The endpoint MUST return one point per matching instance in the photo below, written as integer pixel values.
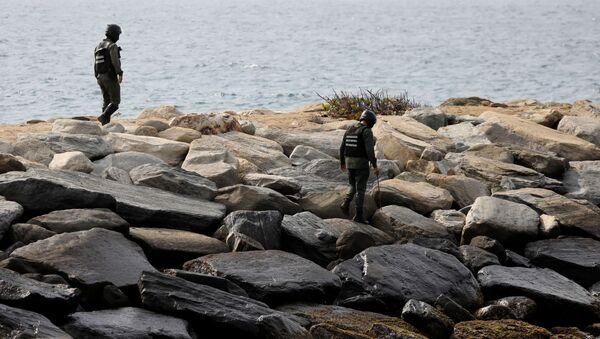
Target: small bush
(350, 106)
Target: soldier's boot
(345, 206)
(359, 209)
(104, 118)
(359, 217)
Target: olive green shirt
(115, 58)
(359, 162)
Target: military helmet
(369, 117)
(113, 31)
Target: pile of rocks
(484, 224)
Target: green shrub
(350, 106)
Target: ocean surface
(206, 55)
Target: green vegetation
(350, 106)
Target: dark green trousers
(111, 90)
(357, 178)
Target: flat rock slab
(582, 180)
(303, 154)
(272, 276)
(244, 197)
(557, 296)
(22, 292)
(575, 258)
(9, 163)
(327, 142)
(499, 329)
(168, 247)
(125, 161)
(352, 323)
(573, 216)
(390, 275)
(72, 126)
(463, 189)
(418, 196)
(171, 152)
(18, 323)
(42, 190)
(262, 226)
(126, 323)
(73, 220)
(93, 257)
(264, 153)
(215, 311)
(310, 237)
(42, 147)
(277, 183)
(405, 224)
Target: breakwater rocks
(484, 224)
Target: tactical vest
(102, 55)
(354, 143)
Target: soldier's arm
(342, 151)
(115, 59)
(370, 146)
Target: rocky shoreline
(484, 224)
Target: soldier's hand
(120, 78)
(343, 167)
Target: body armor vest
(354, 144)
(102, 55)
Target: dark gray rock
(173, 179)
(125, 161)
(53, 279)
(385, 277)
(126, 323)
(582, 179)
(41, 190)
(243, 197)
(452, 309)
(170, 248)
(214, 311)
(440, 244)
(355, 237)
(42, 147)
(453, 220)
(405, 224)
(326, 205)
(10, 211)
(429, 116)
(239, 242)
(514, 259)
(93, 257)
(522, 308)
(491, 245)
(22, 292)
(6, 148)
(546, 163)
(209, 280)
(476, 258)
(18, 323)
(28, 233)
(575, 258)
(9, 163)
(310, 237)
(494, 312)
(117, 174)
(326, 142)
(283, 185)
(262, 226)
(73, 220)
(274, 277)
(157, 124)
(559, 298)
(427, 319)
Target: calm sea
(208, 55)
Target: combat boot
(345, 206)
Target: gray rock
(126, 323)
(453, 220)
(439, 244)
(463, 189)
(491, 151)
(573, 216)
(93, 257)
(209, 280)
(51, 190)
(219, 312)
(310, 183)
(584, 127)
(164, 112)
(430, 116)
(10, 163)
(549, 226)
(303, 154)
(582, 180)
(71, 161)
(404, 224)
(42, 147)
(557, 297)
(310, 237)
(326, 142)
(125, 161)
(494, 312)
(18, 323)
(327, 204)
(464, 135)
(117, 174)
(22, 292)
(476, 258)
(212, 161)
(73, 220)
(418, 196)
(262, 226)
(10, 211)
(28, 233)
(426, 318)
(355, 237)
(247, 127)
(159, 125)
(385, 277)
(272, 276)
(113, 127)
(173, 179)
(452, 309)
(72, 126)
(508, 222)
(148, 131)
(171, 248)
(180, 134)
(546, 163)
(522, 308)
(6, 148)
(500, 329)
(244, 197)
(514, 259)
(491, 245)
(431, 154)
(279, 326)
(283, 185)
(239, 242)
(575, 258)
(171, 152)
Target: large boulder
(18, 323)
(327, 142)
(354, 237)
(476, 258)
(491, 151)
(418, 196)
(117, 174)
(213, 123)
(575, 258)
(9, 163)
(281, 184)
(162, 112)
(414, 129)
(464, 135)
(72, 126)
(94, 257)
(559, 298)
(10, 211)
(264, 153)
(244, 197)
(42, 190)
(429, 116)
(28, 233)
(42, 147)
(6, 148)
(219, 312)
(582, 181)
(428, 319)
(405, 224)
(310, 237)
(508, 222)
(171, 248)
(171, 152)
(262, 226)
(125, 161)
(386, 277)
(327, 204)
(207, 279)
(303, 154)
(126, 322)
(213, 162)
(174, 179)
(180, 134)
(394, 145)
(463, 189)
(547, 163)
(453, 220)
(573, 216)
(271, 276)
(73, 220)
(586, 128)
(499, 329)
(501, 128)
(71, 161)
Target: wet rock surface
(426, 318)
(18, 323)
(73, 220)
(262, 226)
(310, 237)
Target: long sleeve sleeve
(115, 59)
(370, 146)
(343, 150)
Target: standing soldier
(356, 152)
(108, 72)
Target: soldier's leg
(351, 191)
(362, 176)
(114, 94)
